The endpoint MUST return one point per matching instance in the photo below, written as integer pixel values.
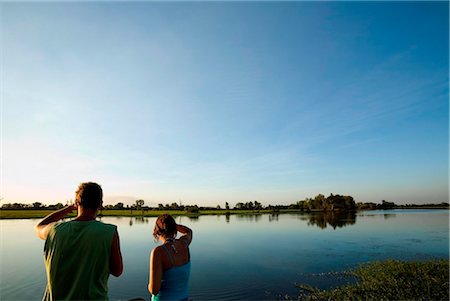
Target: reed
(389, 280)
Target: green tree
(18, 206)
(139, 204)
(37, 205)
(7, 206)
(387, 205)
(319, 202)
(258, 206)
(118, 206)
(239, 206)
(302, 205)
(350, 203)
(192, 209)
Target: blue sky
(206, 102)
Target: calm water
(243, 257)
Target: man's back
(77, 258)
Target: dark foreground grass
(390, 280)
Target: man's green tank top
(77, 256)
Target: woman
(170, 263)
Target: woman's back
(170, 264)
(175, 281)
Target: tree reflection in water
(336, 219)
(248, 217)
(138, 220)
(193, 218)
(388, 215)
(273, 217)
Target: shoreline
(40, 213)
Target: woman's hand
(187, 233)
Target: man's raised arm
(42, 228)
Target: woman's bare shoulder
(185, 240)
(157, 250)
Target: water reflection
(138, 220)
(335, 219)
(331, 218)
(193, 218)
(221, 272)
(322, 220)
(389, 215)
(248, 217)
(273, 217)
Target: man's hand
(42, 227)
(70, 208)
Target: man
(81, 253)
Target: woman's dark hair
(89, 195)
(165, 226)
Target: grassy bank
(16, 214)
(40, 213)
(390, 280)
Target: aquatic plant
(389, 280)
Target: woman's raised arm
(186, 233)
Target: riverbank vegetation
(320, 203)
(389, 280)
(17, 214)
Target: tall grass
(391, 280)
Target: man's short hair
(89, 195)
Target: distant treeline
(35, 205)
(318, 203)
(391, 205)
